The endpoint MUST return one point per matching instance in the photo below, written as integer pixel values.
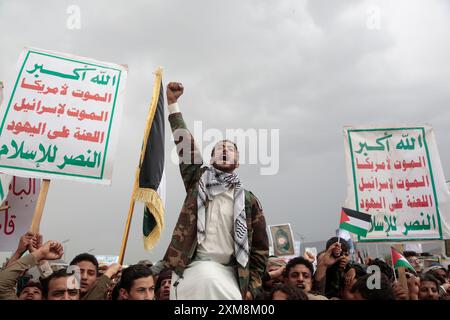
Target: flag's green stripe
(403, 263)
(353, 229)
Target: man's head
(437, 270)
(351, 276)
(343, 252)
(287, 292)
(412, 258)
(429, 287)
(31, 291)
(274, 263)
(60, 286)
(137, 283)
(88, 265)
(225, 156)
(384, 268)
(162, 287)
(299, 273)
(362, 291)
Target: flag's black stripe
(152, 166)
(358, 215)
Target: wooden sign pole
(39, 209)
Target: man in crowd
(93, 286)
(219, 247)
(299, 272)
(9, 276)
(362, 291)
(162, 286)
(413, 260)
(429, 287)
(31, 291)
(137, 283)
(61, 285)
(330, 267)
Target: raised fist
(173, 91)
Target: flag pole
(401, 271)
(151, 114)
(39, 209)
(393, 267)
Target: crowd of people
(330, 275)
(219, 250)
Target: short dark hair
(344, 243)
(408, 254)
(85, 257)
(384, 268)
(385, 292)
(115, 291)
(165, 273)
(132, 273)
(431, 278)
(61, 273)
(30, 284)
(295, 261)
(360, 271)
(292, 292)
(223, 141)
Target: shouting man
(219, 247)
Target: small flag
(151, 168)
(355, 222)
(399, 260)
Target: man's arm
(100, 288)
(29, 241)
(190, 157)
(51, 250)
(259, 251)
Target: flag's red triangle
(395, 256)
(344, 217)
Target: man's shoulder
(252, 199)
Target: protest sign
(395, 174)
(61, 118)
(18, 208)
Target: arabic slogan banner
(62, 117)
(395, 174)
(17, 213)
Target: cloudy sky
(304, 67)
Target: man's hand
(248, 296)
(328, 257)
(113, 270)
(51, 250)
(173, 91)
(309, 256)
(277, 273)
(25, 241)
(36, 243)
(349, 277)
(399, 292)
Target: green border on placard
(105, 151)
(431, 176)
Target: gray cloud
(305, 67)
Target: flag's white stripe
(359, 223)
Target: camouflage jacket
(183, 245)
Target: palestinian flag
(399, 260)
(355, 222)
(151, 168)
